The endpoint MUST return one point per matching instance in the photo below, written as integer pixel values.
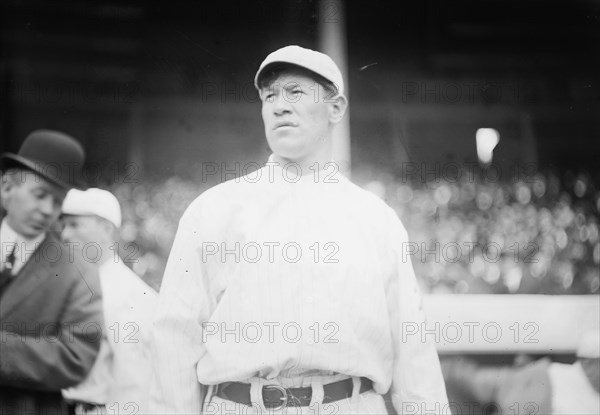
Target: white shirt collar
(9, 237)
(7, 234)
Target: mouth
(282, 124)
(38, 226)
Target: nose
(281, 104)
(47, 205)
(66, 233)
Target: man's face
(82, 229)
(296, 116)
(32, 203)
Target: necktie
(6, 273)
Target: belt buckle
(79, 409)
(284, 398)
(88, 409)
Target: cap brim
(269, 65)
(10, 160)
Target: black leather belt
(78, 408)
(275, 396)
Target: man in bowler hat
(50, 299)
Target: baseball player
(287, 289)
(119, 380)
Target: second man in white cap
(119, 380)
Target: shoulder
(209, 198)
(65, 273)
(229, 196)
(62, 259)
(122, 281)
(136, 285)
(127, 296)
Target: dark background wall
(168, 85)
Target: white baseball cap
(93, 201)
(589, 345)
(312, 60)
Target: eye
(267, 94)
(268, 97)
(57, 202)
(69, 224)
(39, 194)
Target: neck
(310, 163)
(107, 253)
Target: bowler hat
(53, 155)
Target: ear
(337, 108)
(105, 227)
(7, 185)
(111, 231)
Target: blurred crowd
(534, 235)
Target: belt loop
(318, 394)
(356, 384)
(210, 390)
(256, 385)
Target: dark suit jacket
(50, 329)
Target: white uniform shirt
(272, 277)
(572, 392)
(120, 377)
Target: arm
(58, 354)
(417, 382)
(176, 341)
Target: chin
(288, 153)
(286, 150)
(32, 232)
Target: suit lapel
(33, 273)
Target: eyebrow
(288, 84)
(48, 188)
